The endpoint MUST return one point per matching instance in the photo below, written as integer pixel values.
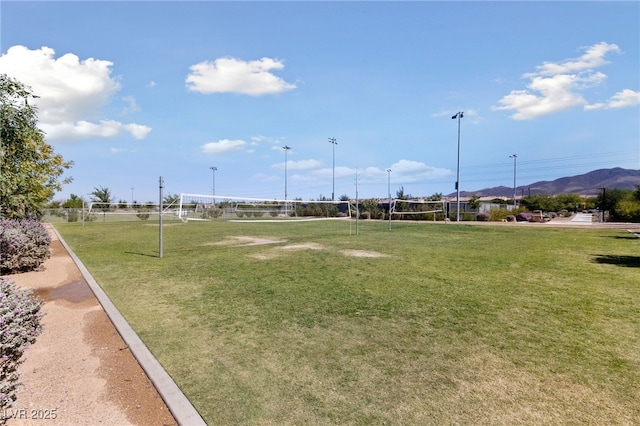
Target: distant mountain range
(588, 184)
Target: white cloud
(556, 94)
(593, 58)
(131, 107)
(236, 76)
(625, 98)
(71, 92)
(85, 129)
(407, 171)
(222, 146)
(622, 99)
(261, 138)
(138, 131)
(417, 171)
(299, 165)
(557, 86)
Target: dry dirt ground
(79, 371)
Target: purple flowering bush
(524, 217)
(20, 324)
(24, 245)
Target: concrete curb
(181, 409)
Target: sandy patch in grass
(247, 241)
(362, 253)
(306, 246)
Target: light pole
(213, 170)
(458, 116)
(160, 238)
(389, 193)
(514, 156)
(604, 202)
(333, 187)
(286, 150)
(132, 188)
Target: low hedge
(20, 324)
(24, 245)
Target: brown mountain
(587, 184)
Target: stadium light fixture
(333, 187)
(286, 150)
(458, 116)
(514, 156)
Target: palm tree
(103, 196)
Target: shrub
(467, 217)
(20, 324)
(68, 214)
(524, 217)
(24, 245)
(496, 214)
(628, 210)
(143, 214)
(482, 217)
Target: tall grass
(451, 324)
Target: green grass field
(298, 323)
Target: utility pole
(514, 156)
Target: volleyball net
(207, 207)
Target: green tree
(171, 199)
(628, 209)
(372, 207)
(610, 199)
(103, 196)
(400, 195)
(72, 207)
(474, 202)
(537, 202)
(74, 202)
(30, 171)
(569, 202)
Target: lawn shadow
(629, 261)
(624, 237)
(141, 254)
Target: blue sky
(131, 91)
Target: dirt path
(79, 371)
